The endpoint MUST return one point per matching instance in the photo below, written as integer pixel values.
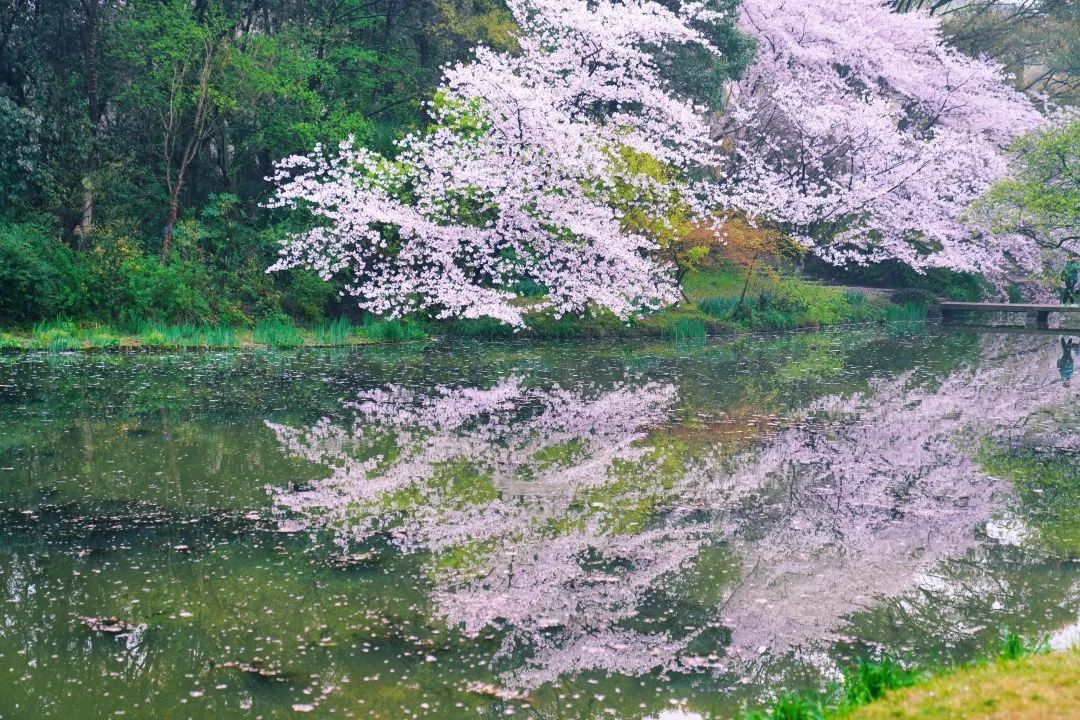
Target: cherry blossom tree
(521, 174)
(866, 136)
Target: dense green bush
(216, 276)
(32, 273)
(939, 282)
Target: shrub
(31, 273)
(918, 296)
(307, 295)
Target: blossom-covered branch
(516, 180)
(866, 136)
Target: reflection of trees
(870, 496)
(500, 482)
(578, 520)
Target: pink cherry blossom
(866, 136)
(515, 178)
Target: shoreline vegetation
(717, 305)
(1022, 679)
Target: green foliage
(792, 303)
(869, 680)
(278, 332)
(32, 273)
(480, 329)
(687, 328)
(24, 173)
(390, 330)
(56, 336)
(864, 683)
(719, 307)
(816, 304)
(908, 312)
(913, 296)
(279, 78)
(1042, 198)
(906, 319)
(1012, 646)
(219, 337)
(792, 707)
(335, 332)
(935, 282)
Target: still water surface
(542, 530)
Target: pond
(627, 530)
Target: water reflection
(561, 530)
(1066, 364)
(621, 527)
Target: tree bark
(173, 132)
(92, 11)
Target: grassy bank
(716, 304)
(1021, 680)
(65, 336)
(1046, 686)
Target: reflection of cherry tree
(522, 493)
(869, 496)
(409, 452)
(541, 561)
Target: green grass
(335, 332)
(687, 328)
(869, 686)
(391, 330)
(1026, 688)
(869, 681)
(784, 304)
(723, 281)
(906, 319)
(770, 305)
(722, 308)
(220, 337)
(62, 336)
(479, 329)
(276, 333)
(908, 312)
(56, 336)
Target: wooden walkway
(1038, 316)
